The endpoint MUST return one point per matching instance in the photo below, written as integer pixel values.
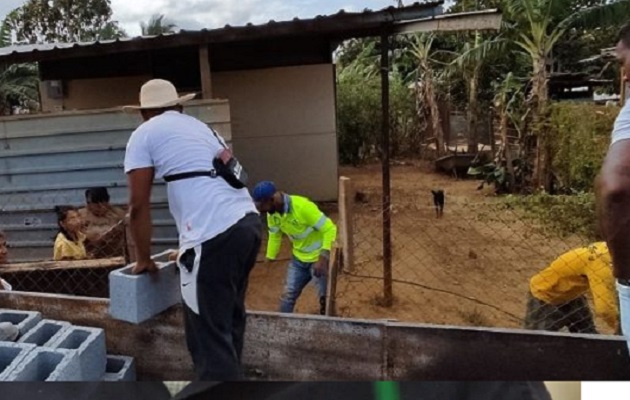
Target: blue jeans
(299, 274)
(624, 310)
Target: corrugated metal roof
(341, 25)
(42, 47)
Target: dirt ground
(470, 268)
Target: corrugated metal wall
(49, 160)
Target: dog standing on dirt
(438, 201)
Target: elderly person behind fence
(104, 225)
(557, 294)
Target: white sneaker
(8, 332)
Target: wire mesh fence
(484, 263)
(55, 242)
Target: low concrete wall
(293, 347)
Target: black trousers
(575, 315)
(364, 391)
(214, 284)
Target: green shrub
(580, 135)
(359, 118)
(562, 215)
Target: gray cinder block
(11, 356)
(45, 333)
(89, 343)
(137, 298)
(120, 368)
(46, 364)
(25, 320)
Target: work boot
(322, 305)
(8, 332)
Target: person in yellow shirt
(70, 241)
(557, 294)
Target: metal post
(387, 222)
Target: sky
(197, 14)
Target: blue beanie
(264, 190)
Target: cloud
(6, 6)
(196, 14)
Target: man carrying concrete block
(219, 227)
(312, 235)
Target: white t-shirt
(621, 130)
(202, 207)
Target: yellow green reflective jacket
(309, 230)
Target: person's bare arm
(140, 183)
(613, 206)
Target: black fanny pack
(225, 166)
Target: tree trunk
(503, 126)
(539, 102)
(434, 111)
(473, 146)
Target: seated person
(103, 225)
(70, 241)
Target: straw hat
(158, 93)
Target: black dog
(438, 200)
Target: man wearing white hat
(219, 226)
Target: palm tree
(19, 87)
(157, 25)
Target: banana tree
(536, 33)
(426, 79)
(508, 94)
(469, 64)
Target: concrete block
(45, 333)
(120, 368)
(25, 320)
(89, 343)
(137, 298)
(46, 364)
(11, 356)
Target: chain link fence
(484, 263)
(473, 267)
(56, 243)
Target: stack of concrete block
(49, 350)
(137, 298)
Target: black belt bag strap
(225, 166)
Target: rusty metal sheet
(417, 352)
(293, 347)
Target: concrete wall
(92, 94)
(284, 125)
(297, 347)
(283, 119)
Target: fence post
(346, 196)
(331, 295)
(388, 297)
